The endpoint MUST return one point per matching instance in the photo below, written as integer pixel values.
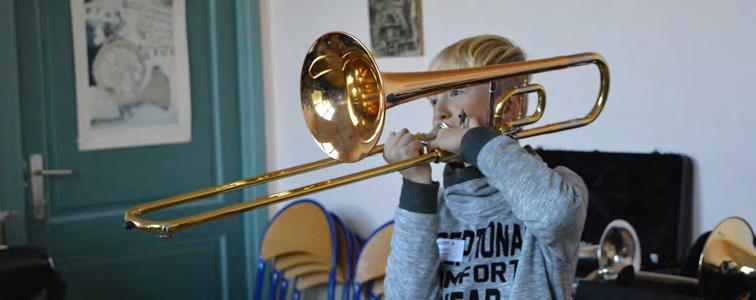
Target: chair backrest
(290, 260)
(371, 263)
(300, 227)
(311, 275)
(302, 263)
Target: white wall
(682, 81)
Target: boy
(505, 226)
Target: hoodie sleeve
(551, 202)
(412, 267)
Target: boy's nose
(441, 115)
(440, 111)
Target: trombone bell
(619, 247)
(342, 97)
(727, 266)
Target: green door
(81, 225)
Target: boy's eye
(453, 93)
(433, 101)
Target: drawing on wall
(396, 27)
(132, 73)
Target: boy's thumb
(432, 144)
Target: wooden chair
(312, 274)
(377, 290)
(302, 231)
(300, 242)
(371, 263)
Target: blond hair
(477, 51)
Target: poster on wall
(396, 28)
(132, 73)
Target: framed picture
(132, 73)
(396, 28)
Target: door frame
(12, 191)
(252, 122)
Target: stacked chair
(371, 264)
(306, 246)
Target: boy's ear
(523, 104)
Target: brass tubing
(665, 278)
(402, 87)
(166, 228)
(132, 221)
(498, 109)
(598, 107)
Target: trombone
(344, 99)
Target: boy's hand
(401, 146)
(449, 139)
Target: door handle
(60, 172)
(38, 173)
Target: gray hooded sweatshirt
(507, 227)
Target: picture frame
(396, 28)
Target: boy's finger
(415, 145)
(433, 144)
(391, 138)
(405, 138)
(441, 134)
